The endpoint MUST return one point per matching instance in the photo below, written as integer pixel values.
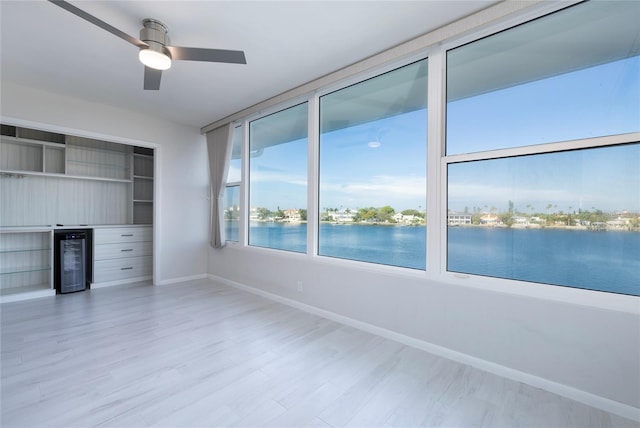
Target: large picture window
(543, 164)
(278, 180)
(372, 191)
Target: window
(543, 166)
(232, 190)
(570, 75)
(372, 182)
(278, 180)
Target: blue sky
(384, 162)
(596, 101)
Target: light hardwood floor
(204, 354)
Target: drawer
(117, 269)
(111, 235)
(122, 250)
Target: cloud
(397, 191)
(279, 176)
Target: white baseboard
(570, 392)
(182, 279)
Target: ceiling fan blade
(92, 19)
(152, 78)
(210, 55)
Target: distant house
(344, 216)
(407, 219)
(489, 219)
(521, 220)
(454, 218)
(292, 215)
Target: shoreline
(475, 226)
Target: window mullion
(436, 184)
(244, 189)
(313, 215)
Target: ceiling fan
(155, 52)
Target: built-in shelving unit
(49, 179)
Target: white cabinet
(122, 254)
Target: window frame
(586, 297)
(422, 55)
(245, 193)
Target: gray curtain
(219, 143)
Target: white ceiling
(287, 43)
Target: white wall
(182, 176)
(588, 354)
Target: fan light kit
(154, 59)
(155, 52)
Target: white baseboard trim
(182, 279)
(566, 391)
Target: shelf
(24, 289)
(31, 142)
(143, 201)
(54, 160)
(105, 165)
(143, 212)
(20, 155)
(17, 173)
(23, 250)
(25, 292)
(92, 145)
(143, 166)
(24, 269)
(143, 177)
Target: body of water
(606, 261)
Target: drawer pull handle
(128, 249)
(127, 234)
(127, 268)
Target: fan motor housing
(155, 35)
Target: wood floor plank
(200, 353)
